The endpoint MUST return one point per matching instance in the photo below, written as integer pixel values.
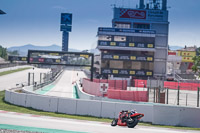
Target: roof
(2, 12)
(188, 49)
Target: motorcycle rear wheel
(114, 122)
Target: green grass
(13, 108)
(13, 71)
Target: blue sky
(38, 21)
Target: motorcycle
(127, 118)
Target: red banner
(134, 14)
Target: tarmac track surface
(28, 120)
(64, 86)
(10, 80)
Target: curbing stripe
(34, 129)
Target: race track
(77, 125)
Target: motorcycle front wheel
(131, 123)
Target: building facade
(136, 46)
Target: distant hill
(23, 50)
(175, 47)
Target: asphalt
(11, 80)
(63, 87)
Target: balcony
(127, 57)
(111, 45)
(126, 32)
(127, 72)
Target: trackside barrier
(156, 114)
(93, 88)
(113, 84)
(139, 96)
(87, 85)
(169, 85)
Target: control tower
(136, 46)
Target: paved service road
(10, 80)
(64, 87)
(77, 125)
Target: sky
(37, 22)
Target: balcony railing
(127, 72)
(127, 57)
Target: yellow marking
(131, 44)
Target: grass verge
(13, 108)
(13, 71)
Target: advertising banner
(134, 14)
(140, 14)
(59, 58)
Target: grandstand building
(136, 46)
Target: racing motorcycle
(127, 118)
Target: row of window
(135, 25)
(127, 65)
(137, 53)
(126, 39)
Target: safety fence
(174, 93)
(138, 96)
(113, 84)
(170, 85)
(116, 90)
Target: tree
(15, 52)
(3, 52)
(196, 61)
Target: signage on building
(149, 15)
(126, 30)
(134, 14)
(59, 58)
(125, 44)
(17, 58)
(127, 72)
(126, 57)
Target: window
(142, 39)
(120, 38)
(105, 38)
(141, 26)
(122, 25)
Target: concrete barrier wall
(67, 106)
(156, 114)
(176, 116)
